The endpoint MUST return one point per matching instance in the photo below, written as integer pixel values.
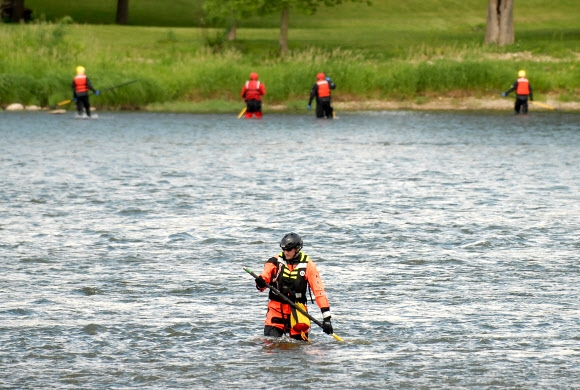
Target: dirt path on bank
(458, 104)
(447, 104)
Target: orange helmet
(253, 76)
(320, 76)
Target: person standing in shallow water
(523, 90)
(321, 91)
(81, 86)
(291, 272)
(252, 93)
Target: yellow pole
(288, 301)
(542, 105)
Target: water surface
(448, 243)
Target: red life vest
(252, 90)
(523, 86)
(81, 83)
(323, 88)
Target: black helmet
(291, 241)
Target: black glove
(327, 326)
(260, 283)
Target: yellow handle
(542, 105)
(337, 337)
(242, 112)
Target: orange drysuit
(292, 279)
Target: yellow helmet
(522, 73)
(80, 70)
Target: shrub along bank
(191, 69)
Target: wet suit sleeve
(316, 285)
(262, 89)
(89, 85)
(331, 85)
(269, 270)
(313, 93)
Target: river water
(448, 243)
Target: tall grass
(177, 65)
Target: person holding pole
(81, 86)
(252, 93)
(288, 276)
(523, 90)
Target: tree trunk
(284, 22)
(122, 12)
(232, 31)
(17, 11)
(500, 22)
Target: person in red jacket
(252, 93)
(523, 90)
(81, 86)
(292, 272)
(321, 91)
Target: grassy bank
(388, 52)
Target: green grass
(408, 50)
(383, 15)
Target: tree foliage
(232, 11)
(15, 11)
(309, 7)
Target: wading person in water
(252, 92)
(292, 272)
(81, 86)
(321, 91)
(523, 90)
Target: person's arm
(90, 86)
(531, 93)
(244, 90)
(317, 286)
(513, 88)
(331, 85)
(266, 276)
(262, 89)
(313, 93)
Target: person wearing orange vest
(321, 91)
(292, 272)
(523, 90)
(252, 93)
(81, 86)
